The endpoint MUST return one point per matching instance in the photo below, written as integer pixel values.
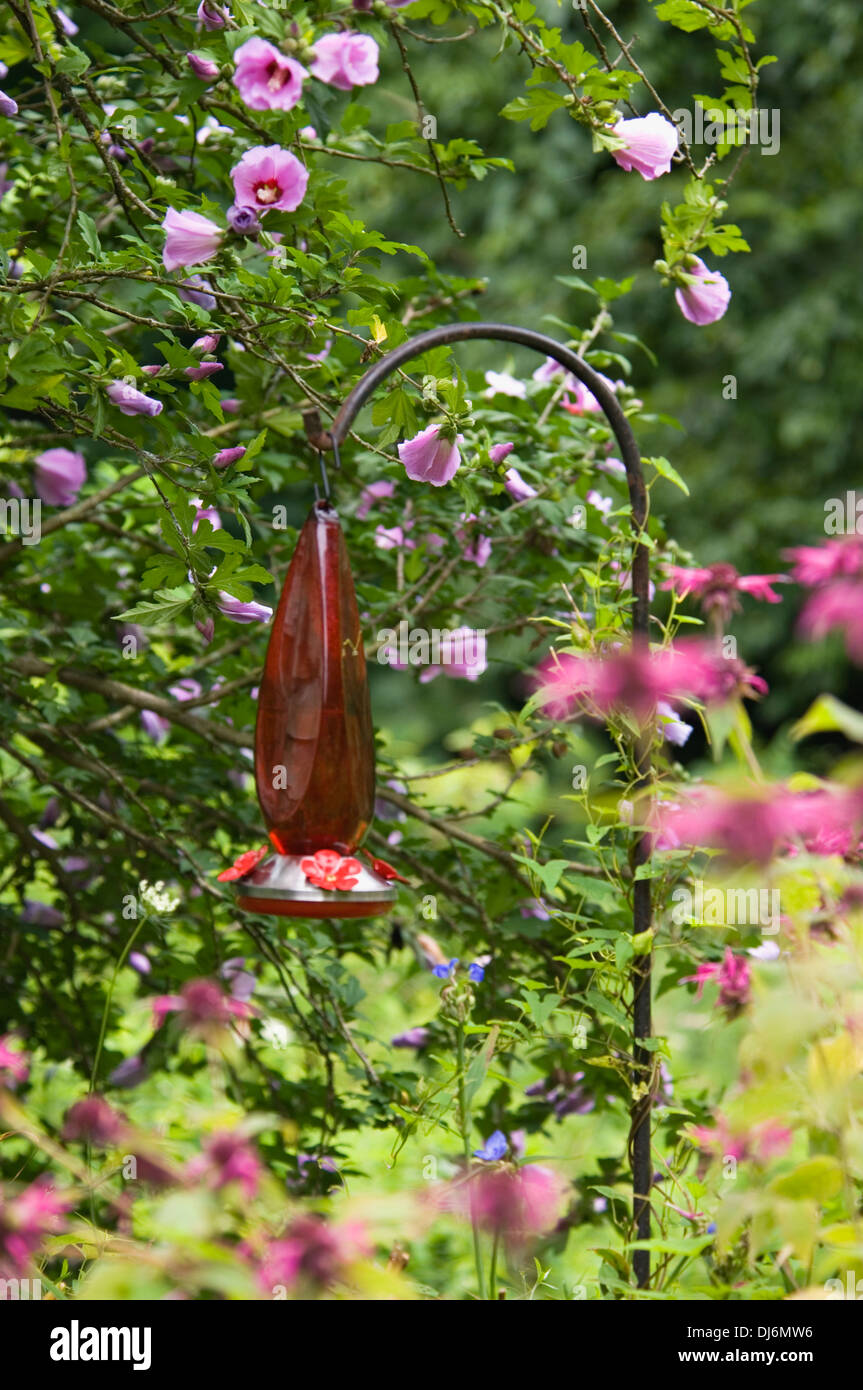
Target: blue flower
(711, 1229)
(476, 972)
(494, 1148)
(443, 972)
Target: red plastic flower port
(385, 870)
(242, 866)
(327, 869)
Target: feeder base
(279, 887)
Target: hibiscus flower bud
(705, 296)
(204, 68)
(243, 221)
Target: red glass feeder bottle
(314, 742)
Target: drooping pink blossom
(431, 457)
(837, 605)
(372, 493)
(717, 586)
(269, 177)
(649, 144)
(202, 1006)
(346, 60)
(131, 401)
(60, 475)
(240, 612)
(733, 976)
(266, 79)
(190, 238)
(834, 559)
(516, 485)
(705, 297)
(14, 1067)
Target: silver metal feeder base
(279, 887)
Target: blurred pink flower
(718, 586)
(839, 604)
(202, 1006)
(518, 1204)
(835, 559)
(313, 1253)
(393, 538)
(190, 238)
(372, 493)
(706, 298)
(650, 142)
(753, 828)
(266, 79)
(463, 656)
(732, 975)
(14, 1066)
(475, 548)
(345, 60)
(269, 177)
(515, 484)
(60, 475)
(93, 1121)
(430, 457)
(228, 1157)
(24, 1222)
(764, 1141)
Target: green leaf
(819, 1178)
(665, 470)
(537, 107)
(828, 715)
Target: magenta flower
(206, 369)
(837, 605)
(265, 78)
(243, 221)
(211, 16)
(240, 612)
(498, 452)
(518, 1205)
(190, 238)
(732, 975)
(585, 402)
(60, 475)
(25, 1220)
(761, 1143)
(14, 1066)
(204, 68)
(130, 401)
(516, 486)
(649, 143)
(207, 343)
(430, 457)
(372, 493)
(475, 548)
(752, 828)
(835, 559)
(202, 1007)
(228, 1158)
(345, 60)
(227, 456)
(718, 586)
(412, 1037)
(93, 1121)
(312, 1254)
(462, 654)
(270, 177)
(705, 296)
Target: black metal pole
(639, 1135)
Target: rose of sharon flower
(462, 654)
(266, 79)
(649, 143)
(270, 177)
(60, 475)
(131, 401)
(706, 297)
(837, 605)
(204, 68)
(516, 485)
(329, 870)
(430, 457)
(240, 612)
(346, 60)
(190, 238)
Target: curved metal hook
(642, 1167)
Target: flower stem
(464, 1124)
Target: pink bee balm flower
(835, 559)
(312, 1254)
(837, 605)
(8, 105)
(94, 1121)
(265, 78)
(270, 177)
(131, 401)
(346, 60)
(751, 828)
(705, 297)
(517, 1204)
(190, 238)
(430, 457)
(202, 1006)
(24, 1222)
(517, 487)
(13, 1065)
(649, 143)
(240, 612)
(227, 1158)
(631, 679)
(60, 475)
(718, 586)
(227, 456)
(733, 977)
(204, 68)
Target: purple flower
(130, 401)
(130, 1072)
(8, 107)
(674, 730)
(412, 1037)
(60, 475)
(139, 962)
(534, 907)
(705, 296)
(475, 548)
(68, 25)
(563, 1091)
(517, 487)
(476, 972)
(346, 60)
(210, 16)
(205, 514)
(204, 68)
(493, 1149)
(265, 78)
(498, 452)
(227, 456)
(190, 238)
(208, 343)
(38, 914)
(154, 725)
(243, 221)
(649, 143)
(269, 177)
(205, 370)
(243, 612)
(393, 538)
(430, 457)
(445, 972)
(188, 290)
(231, 405)
(93, 1121)
(372, 493)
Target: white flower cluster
(156, 896)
